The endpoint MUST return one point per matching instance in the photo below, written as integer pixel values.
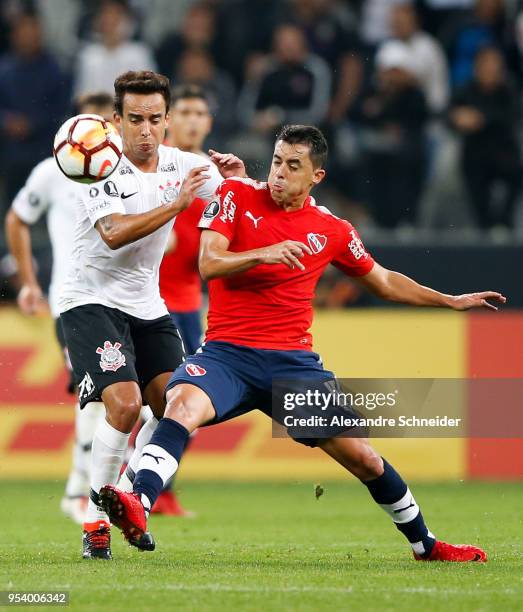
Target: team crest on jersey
(195, 370)
(169, 192)
(317, 242)
(111, 357)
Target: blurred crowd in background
(420, 100)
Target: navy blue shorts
(189, 325)
(239, 379)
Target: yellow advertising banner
(37, 416)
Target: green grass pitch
(265, 547)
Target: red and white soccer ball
(87, 148)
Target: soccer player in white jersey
(48, 192)
(122, 343)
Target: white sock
(86, 421)
(144, 435)
(108, 453)
(146, 413)
(404, 510)
(156, 459)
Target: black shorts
(60, 336)
(107, 346)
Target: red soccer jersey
(180, 283)
(270, 306)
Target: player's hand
(30, 299)
(228, 164)
(190, 186)
(288, 252)
(477, 300)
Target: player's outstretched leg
(389, 491)
(188, 407)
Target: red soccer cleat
(97, 540)
(168, 504)
(461, 553)
(125, 510)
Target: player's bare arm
(396, 287)
(18, 233)
(117, 229)
(216, 260)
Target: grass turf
(273, 547)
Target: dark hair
(98, 99)
(307, 135)
(186, 91)
(141, 82)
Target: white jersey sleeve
(192, 160)
(102, 199)
(33, 200)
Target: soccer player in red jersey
(264, 247)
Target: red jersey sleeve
(353, 259)
(221, 214)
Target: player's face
(292, 173)
(142, 125)
(190, 123)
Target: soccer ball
(87, 148)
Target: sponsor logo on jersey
(254, 219)
(86, 386)
(125, 170)
(356, 246)
(98, 205)
(93, 192)
(195, 370)
(110, 189)
(211, 210)
(111, 358)
(169, 192)
(317, 242)
(124, 196)
(228, 208)
(167, 167)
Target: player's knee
(123, 414)
(369, 464)
(185, 407)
